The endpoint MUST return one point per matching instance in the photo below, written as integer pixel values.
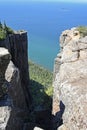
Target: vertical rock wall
(17, 44)
(19, 112)
(70, 82)
(15, 98)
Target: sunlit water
(44, 23)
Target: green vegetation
(41, 86)
(82, 30)
(5, 31)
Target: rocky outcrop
(17, 44)
(70, 82)
(15, 98)
(4, 61)
(15, 90)
(37, 128)
(4, 110)
(14, 112)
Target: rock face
(15, 99)
(17, 44)
(15, 90)
(13, 107)
(70, 82)
(4, 61)
(19, 111)
(4, 111)
(37, 128)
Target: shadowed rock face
(14, 112)
(4, 111)
(15, 99)
(15, 90)
(4, 61)
(17, 45)
(19, 113)
(70, 82)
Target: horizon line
(44, 1)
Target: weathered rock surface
(4, 116)
(62, 128)
(17, 44)
(12, 75)
(4, 61)
(70, 82)
(4, 110)
(37, 128)
(13, 107)
(15, 99)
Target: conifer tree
(1, 26)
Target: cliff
(15, 98)
(17, 45)
(17, 110)
(70, 82)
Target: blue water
(44, 23)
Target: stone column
(4, 61)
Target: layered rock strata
(70, 82)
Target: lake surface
(44, 22)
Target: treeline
(41, 85)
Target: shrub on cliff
(82, 30)
(8, 29)
(5, 31)
(2, 34)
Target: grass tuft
(5, 31)
(82, 30)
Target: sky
(79, 1)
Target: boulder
(19, 114)
(12, 75)
(37, 128)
